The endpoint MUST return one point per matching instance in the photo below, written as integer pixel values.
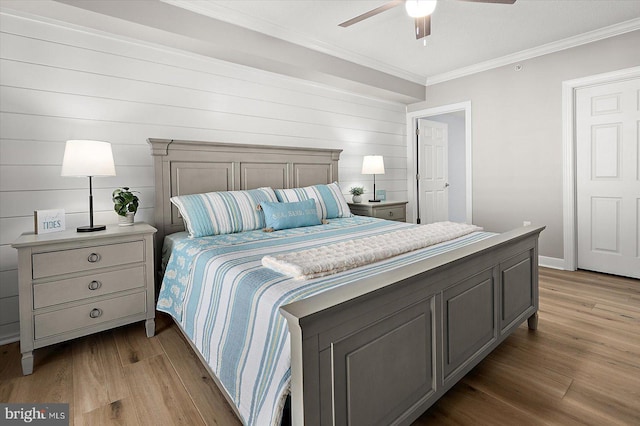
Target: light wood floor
(582, 366)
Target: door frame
(569, 210)
(412, 154)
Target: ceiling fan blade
(372, 12)
(491, 1)
(423, 27)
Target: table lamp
(373, 165)
(85, 158)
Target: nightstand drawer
(85, 259)
(65, 320)
(390, 213)
(63, 291)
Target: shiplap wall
(59, 83)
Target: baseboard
(5, 340)
(551, 262)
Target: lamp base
(374, 201)
(91, 228)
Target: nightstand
(72, 284)
(390, 210)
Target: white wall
(517, 133)
(59, 83)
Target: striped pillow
(329, 199)
(216, 213)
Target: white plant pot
(357, 198)
(126, 220)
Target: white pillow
(329, 199)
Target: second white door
(433, 148)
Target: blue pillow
(290, 215)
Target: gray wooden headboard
(191, 167)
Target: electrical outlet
(526, 223)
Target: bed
(371, 345)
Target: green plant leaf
(124, 201)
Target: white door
(608, 177)
(433, 148)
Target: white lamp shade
(88, 158)
(373, 165)
(420, 8)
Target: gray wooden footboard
(384, 349)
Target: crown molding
(545, 49)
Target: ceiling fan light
(420, 8)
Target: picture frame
(381, 194)
(48, 221)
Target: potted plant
(356, 192)
(125, 203)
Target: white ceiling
(378, 57)
(462, 33)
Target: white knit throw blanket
(338, 257)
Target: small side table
(390, 210)
(73, 284)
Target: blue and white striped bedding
(227, 302)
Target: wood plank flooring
(582, 366)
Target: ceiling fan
(419, 9)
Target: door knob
(446, 184)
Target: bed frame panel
(383, 349)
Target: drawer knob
(95, 313)
(390, 214)
(94, 285)
(93, 258)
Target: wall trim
(412, 118)
(569, 212)
(9, 338)
(545, 49)
(551, 262)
